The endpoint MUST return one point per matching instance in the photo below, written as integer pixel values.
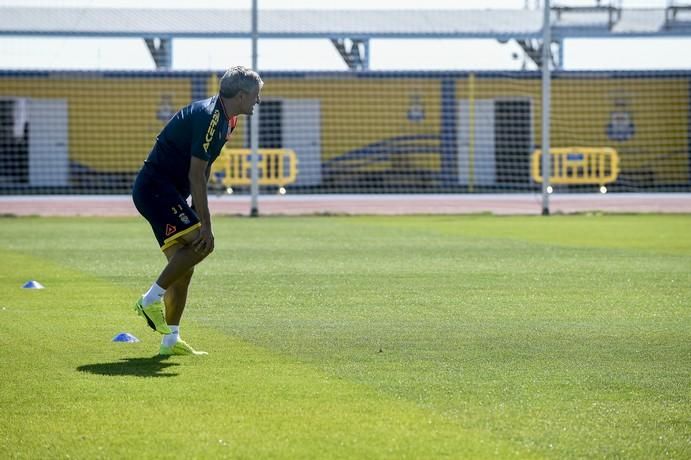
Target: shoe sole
(186, 354)
(195, 353)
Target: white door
(480, 150)
(48, 156)
(301, 122)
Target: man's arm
(198, 179)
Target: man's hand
(204, 243)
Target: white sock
(170, 339)
(154, 294)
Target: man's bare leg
(181, 259)
(179, 256)
(182, 256)
(175, 298)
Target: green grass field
(354, 337)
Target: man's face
(249, 100)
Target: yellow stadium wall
(658, 107)
(361, 111)
(113, 121)
(582, 109)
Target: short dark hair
(238, 79)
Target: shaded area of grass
(155, 366)
(69, 391)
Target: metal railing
(277, 167)
(578, 165)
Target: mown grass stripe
(69, 391)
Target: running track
(517, 204)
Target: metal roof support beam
(161, 50)
(355, 52)
(367, 55)
(612, 10)
(671, 13)
(533, 50)
(559, 55)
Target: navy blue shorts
(165, 208)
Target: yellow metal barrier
(578, 165)
(277, 167)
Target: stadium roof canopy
(337, 25)
(229, 23)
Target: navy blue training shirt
(199, 129)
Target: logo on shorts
(170, 229)
(183, 217)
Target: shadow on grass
(138, 367)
